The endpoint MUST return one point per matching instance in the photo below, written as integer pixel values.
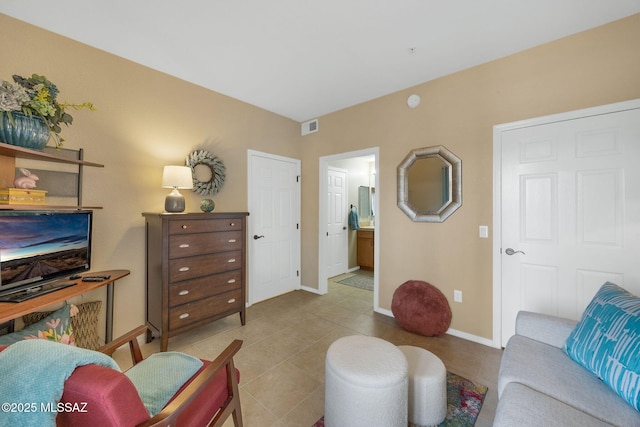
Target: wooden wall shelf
(45, 207)
(8, 150)
(8, 155)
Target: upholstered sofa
(539, 384)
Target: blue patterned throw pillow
(606, 341)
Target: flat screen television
(40, 246)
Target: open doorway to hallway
(348, 219)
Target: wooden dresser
(196, 270)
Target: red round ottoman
(421, 308)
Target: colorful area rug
(464, 401)
(358, 281)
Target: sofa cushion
(606, 341)
(522, 406)
(548, 329)
(549, 370)
(161, 376)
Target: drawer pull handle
(232, 260)
(184, 315)
(232, 240)
(231, 301)
(231, 224)
(184, 227)
(185, 292)
(184, 245)
(231, 281)
(183, 269)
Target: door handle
(256, 237)
(510, 251)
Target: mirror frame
(455, 184)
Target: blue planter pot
(28, 132)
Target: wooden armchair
(110, 398)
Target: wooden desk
(12, 310)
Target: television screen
(38, 246)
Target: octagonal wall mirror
(430, 184)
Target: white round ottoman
(427, 387)
(366, 384)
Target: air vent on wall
(309, 127)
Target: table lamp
(176, 177)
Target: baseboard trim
(312, 290)
(470, 337)
(454, 332)
(384, 311)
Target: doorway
(565, 219)
(371, 214)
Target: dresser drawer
(203, 265)
(179, 226)
(192, 290)
(182, 245)
(202, 309)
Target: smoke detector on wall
(413, 101)
(309, 127)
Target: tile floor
(285, 342)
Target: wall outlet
(457, 296)
(484, 231)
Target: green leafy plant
(37, 96)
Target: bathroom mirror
(364, 201)
(430, 184)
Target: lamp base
(174, 202)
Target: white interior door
(570, 213)
(274, 225)
(337, 215)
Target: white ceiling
(303, 59)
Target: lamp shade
(177, 177)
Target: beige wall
(459, 111)
(146, 119)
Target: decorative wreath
(201, 157)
